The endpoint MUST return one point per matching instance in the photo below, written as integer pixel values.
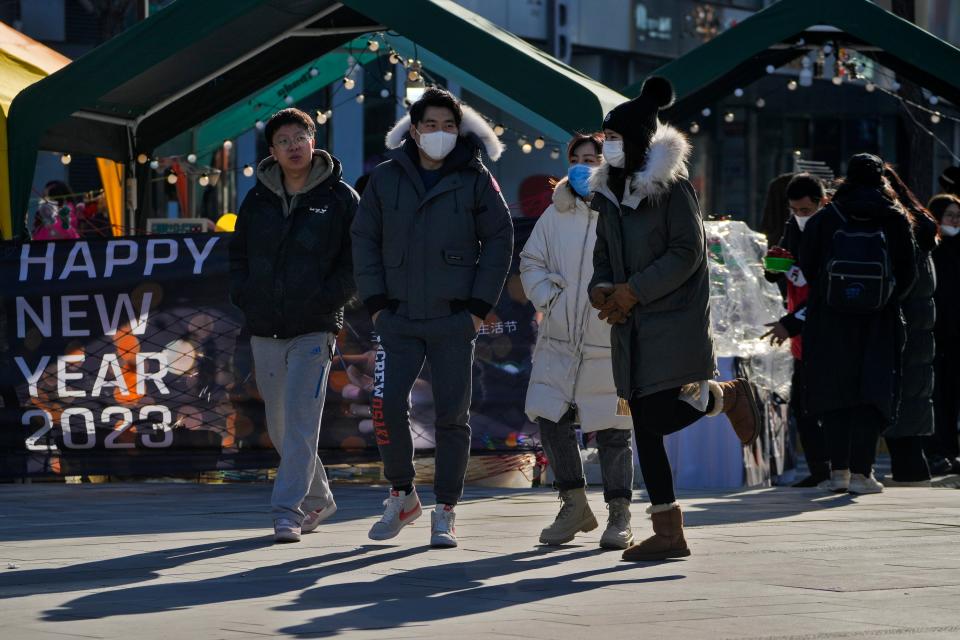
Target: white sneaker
(285, 530)
(401, 510)
(839, 481)
(443, 532)
(861, 484)
(313, 518)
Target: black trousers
(946, 410)
(812, 439)
(655, 416)
(907, 463)
(852, 435)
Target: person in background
(651, 282)
(805, 196)
(776, 212)
(942, 449)
(572, 378)
(56, 217)
(914, 422)
(853, 334)
(950, 181)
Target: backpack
(859, 274)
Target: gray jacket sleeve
(685, 248)
(495, 233)
(367, 232)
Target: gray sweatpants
(447, 344)
(559, 440)
(292, 379)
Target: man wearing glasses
(433, 241)
(291, 272)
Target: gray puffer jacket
(653, 239)
(430, 253)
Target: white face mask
(802, 221)
(949, 231)
(437, 144)
(613, 153)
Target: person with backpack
(859, 258)
(651, 282)
(572, 380)
(914, 422)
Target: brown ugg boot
(737, 399)
(667, 540)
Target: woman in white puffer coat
(572, 378)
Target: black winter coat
(916, 402)
(291, 267)
(854, 360)
(946, 259)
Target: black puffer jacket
(855, 360)
(946, 258)
(916, 401)
(291, 266)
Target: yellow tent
(23, 61)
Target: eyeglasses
(286, 143)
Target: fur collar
(472, 124)
(563, 198)
(666, 163)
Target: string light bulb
(321, 118)
(142, 158)
(761, 103)
(360, 98)
(738, 92)
(172, 178)
(539, 143)
(728, 117)
(706, 112)
(204, 180)
(413, 75)
(66, 158)
(388, 76)
(288, 100)
(314, 72)
(527, 147)
(192, 158)
(694, 128)
(373, 45)
(394, 57)
(771, 68)
(498, 129)
(384, 93)
(228, 144)
(555, 153)
(870, 87)
(154, 164)
(521, 141)
(328, 113)
(259, 125)
(935, 117)
(349, 83)
(248, 171)
(934, 100)
(792, 85)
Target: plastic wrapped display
(742, 302)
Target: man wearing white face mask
(805, 196)
(432, 244)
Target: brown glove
(624, 297)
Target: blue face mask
(579, 177)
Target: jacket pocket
(395, 275)
(456, 274)
(461, 257)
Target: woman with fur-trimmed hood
(651, 283)
(572, 381)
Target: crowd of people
(884, 369)
(617, 268)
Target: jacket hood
(865, 203)
(472, 127)
(324, 167)
(666, 163)
(564, 199)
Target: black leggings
(655, 416)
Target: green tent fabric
(196, 58)
(741, 54)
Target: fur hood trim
(471, 124)
(563, 197)
(666, 163)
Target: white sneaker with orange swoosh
(401, 510)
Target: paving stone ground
(187, 561)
